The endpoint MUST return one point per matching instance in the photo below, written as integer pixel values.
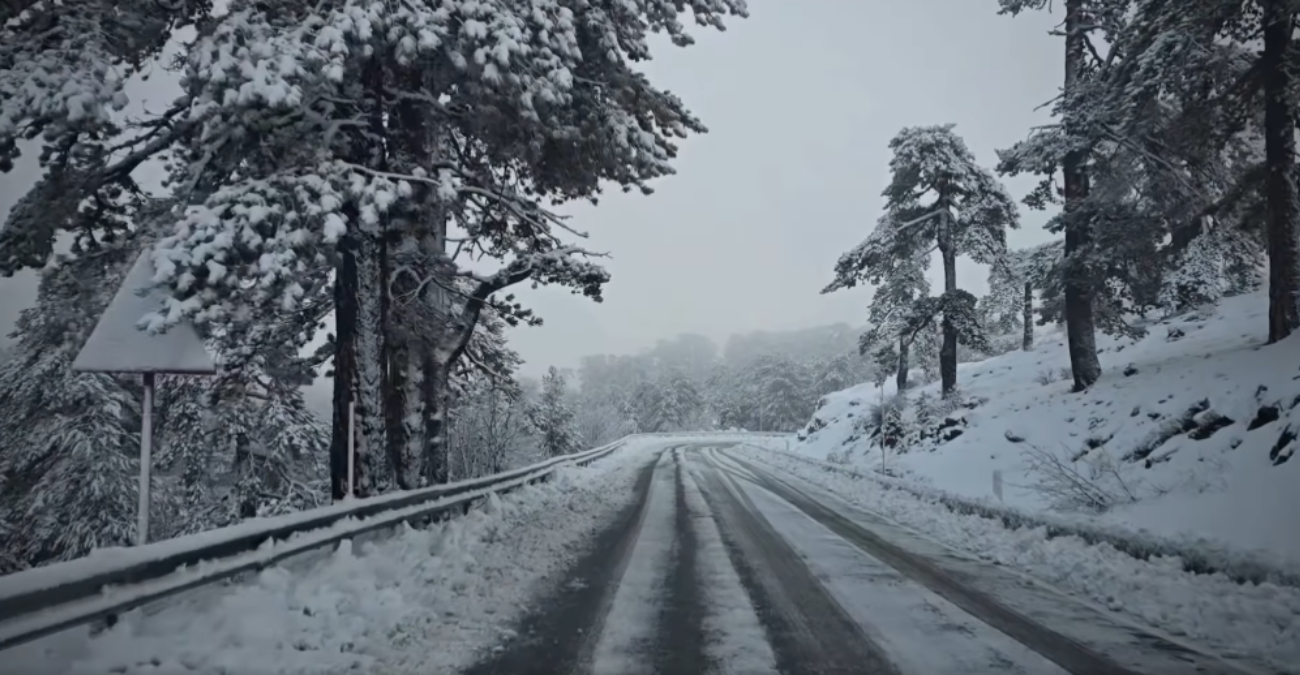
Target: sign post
(119, 345)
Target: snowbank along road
(723, 565)
(675, 556)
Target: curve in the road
(1117, 650)
(696, 578)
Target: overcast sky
(801, 100)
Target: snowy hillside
(1188, 432)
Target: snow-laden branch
(564, 265)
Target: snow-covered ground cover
(1257, 623)
(1186, 435)
(420, 601)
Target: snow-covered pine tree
(779, 387)
(680, 402)
(418, 129)
(925, 351)
(899, 280)
(648, 406)
(63, 71)
(551, 417)
(885, 358)
(939, 198)
(1008, 307)
(831, 375)
(69, 441)
(728, 399)
(1227, 103)
(1067, 146)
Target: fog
(801, 100)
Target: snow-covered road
(728, 567)
(674, 556)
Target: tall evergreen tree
(551, 417)
(939, 199)
(1228, 147)
(1003, 310)
(413, 131)
(69, 441)
(1067, 147)
(780, 388)
(900, 281)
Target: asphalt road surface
(724, 566)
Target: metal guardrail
(45, 600)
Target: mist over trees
(760, 381)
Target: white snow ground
(372, 607)
(1255, 623)
(1222, 491)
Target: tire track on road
(680, 648)
(1160, 657)
(558, 636)
(809, 632)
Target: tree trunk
(436, 301)
(369, 360)
(1280, 157)
(900, 378)
(1027, 316)
(948, 351)
(404, 415)
(1079, 323)
(362, 281)
(345, 316)
(436, 396)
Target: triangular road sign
(118, 345)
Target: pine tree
(779, 386)
(832, 375)
(366, 143)
(69, 442)
(1002, 310)
(679, 401)
(1227, 147)
(967, 213)
(900, 281)
(63, 71)
(551, 417)
(647, 407)
(1068, 146)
